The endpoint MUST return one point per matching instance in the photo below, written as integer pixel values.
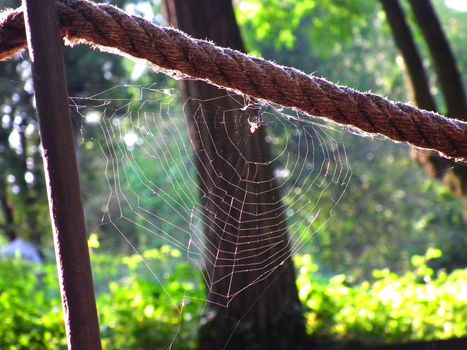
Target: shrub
(417, 305)
(141, 311)
(31, 317)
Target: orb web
(193, 181)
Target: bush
(135, 310)
(30, 309)
(141, 311)
(418, 305)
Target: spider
(255, 124)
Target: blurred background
(389, 265)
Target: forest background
(396, 224)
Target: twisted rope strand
(110, 29)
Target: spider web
(235, 215)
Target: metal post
(61, 172)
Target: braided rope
(110, 29)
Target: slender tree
(408, 49)
(452, 174)
(263, 310)
(7, 212)
(443, 58)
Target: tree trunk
(412, 59)
(452, 174)
(253, 301)
(7, 211)
(443, 58)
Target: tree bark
(253, 301)
(450, 173)
(7, 210)
(403, 38)
(443, 58)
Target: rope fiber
(173, 52)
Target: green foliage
(142, 308)
(330, 23)
(344, 41)
(420, 304)
(391, 211)
(30, 309)
(137, 310)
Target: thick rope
(173, 52)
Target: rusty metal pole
(61, 172)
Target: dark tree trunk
(254, 303)
(408, 49)
(452, 174)
(443, 58)
(5, 205)
(7, 211)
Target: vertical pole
(61, 172)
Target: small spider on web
(255, 123)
